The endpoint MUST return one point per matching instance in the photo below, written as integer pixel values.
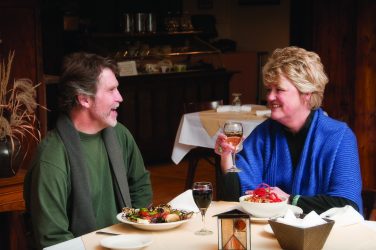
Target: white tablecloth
(192, 134)
(358, 236)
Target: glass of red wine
(202, 195)
(234, 133)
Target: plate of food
(158, 218)
(266, 202)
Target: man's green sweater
(48, 186)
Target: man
(89, 166)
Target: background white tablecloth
(192, 134)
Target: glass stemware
(234, 133)
(236, 101)
(202, 195)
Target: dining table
(355, 236)
(200, 129)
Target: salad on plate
(157, 214)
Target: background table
(191, 132)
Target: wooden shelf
(141, 35)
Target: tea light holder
(234, 230)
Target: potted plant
(18, 120)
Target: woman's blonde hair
(303, 68)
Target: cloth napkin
(232, 108)
(310, 220)
(343, 216)
(184, 201)
(224, 108)
(265, 113)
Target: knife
(107, 233)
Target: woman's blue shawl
(328, 165)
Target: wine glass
(236, 101)
(202, 195)
(234, 133)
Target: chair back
(369, 202)
(201, 106)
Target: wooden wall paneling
(301, 23)
(244, 64)
(176, 95)
(20, 31)
(129, 111)
(365, 89)
(221, 90)
(343, 34)
(190, 92)
(161, 100)
(334, 40)
(245, 80)
(205, 90)
(144, 111)
(18, 34)
(41, 91)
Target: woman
(300, 149)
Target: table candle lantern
(234, 230)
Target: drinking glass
(234, 133)
(202, 195)
(236, 101)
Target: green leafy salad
(158, 214)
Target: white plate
(268, 229)
(259, 219)
(152, 226)
(127, 242)
(295, 209)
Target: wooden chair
(369, 203)
(199, 153)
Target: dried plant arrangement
(17, 107)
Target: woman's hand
(222, 147)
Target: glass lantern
(234, 230)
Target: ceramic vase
(9, 158)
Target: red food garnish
(263, 194)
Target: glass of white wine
(234, 132)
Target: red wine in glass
(202, 195)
